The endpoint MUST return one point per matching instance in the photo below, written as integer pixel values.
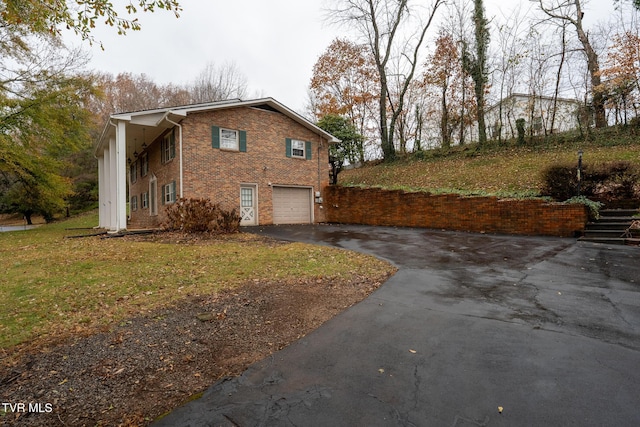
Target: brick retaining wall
(453, 212)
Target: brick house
(257, 156)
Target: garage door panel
(291, 205)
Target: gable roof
(166, 117)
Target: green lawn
(53, 285)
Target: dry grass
(510, 172)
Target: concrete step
(633, 233)
(611, 228)
(605, 240)
(621, 219)
(633, 241)
(604, 225)
(604, 233)
(619, 212)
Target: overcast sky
(274, 43)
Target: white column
(121, 176)
(107, 188)
(111, 191)
(102, 195)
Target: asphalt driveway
(473, 330)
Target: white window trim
(302, 144)
(133, 172)
(236, 141)
(170, 193)
(166, 149)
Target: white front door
(248, 205)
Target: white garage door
(291, 205)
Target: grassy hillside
(507, 170)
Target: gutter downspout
(180, 149)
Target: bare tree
(395, 32)
(217, 83)
(538, 79)
(132, 92)
(461, 13)
(571, 11)
(563, 54)
(444, 80)
(512, 52)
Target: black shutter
(307, 150)
(215, 137)
(242, 141)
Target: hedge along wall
(350, 205)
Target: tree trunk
(482, 128)
(558, 75)
(27, 217)
(594, 72)
(444, 121)
(477, 66)
(593, 66)
(386, 135)
(462, 112)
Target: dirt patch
(148, 365)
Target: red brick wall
(453, 212)
(164, 174)
(217, 174)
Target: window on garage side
(298, 149)
(228, 139)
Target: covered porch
(124, 137)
